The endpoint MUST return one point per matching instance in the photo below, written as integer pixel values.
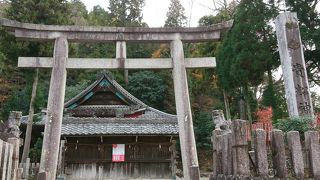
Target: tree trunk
(247, 100)
(226, 104)
(242, 108)
(26, 146)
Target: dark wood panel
(103, 152)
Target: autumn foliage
(264, 115)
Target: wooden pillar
(173, 151)
(50, 148)
(183, 108)
(15, 157)
(121, 55)
(61, 158)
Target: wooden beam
(142, 63)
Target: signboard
(118, 152)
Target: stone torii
(60, 62)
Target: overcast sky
(154, 11)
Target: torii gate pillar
(52, 131)
(183, 108)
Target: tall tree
(175, 15)
(26, 147)
(247, 50)
(79, 13)
(40, 12)
(126, 12)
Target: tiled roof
(152, 122)
(24, 120)
(115, 126)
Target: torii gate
(60, 62)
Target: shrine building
(108, 133)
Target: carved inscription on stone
(300, 80)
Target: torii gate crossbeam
(60, 62)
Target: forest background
(246, 83)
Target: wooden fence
(291, 159)
(9, 159)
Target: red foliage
(318, 119)
(264, 115)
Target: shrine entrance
(60, 62)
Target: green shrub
(301, 124)
(203, 126)
(35, 151)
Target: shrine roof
(116, 126)
(105, 82)
(148, 120)
(74, 126)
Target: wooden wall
(145, 157)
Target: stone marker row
(231, 156)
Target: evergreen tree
(79, 13)
(126, 12)
(39, 12)
(176, 16)
(247, 51)
(99, 17)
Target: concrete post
(293, 65)
(121, 55)
(5, 160)
(15, 157)
(9, 166)
(260, 151)
(215, 156)
(278, 153)
(313, 148)
(240, 154)
(183, 108)
(217, 152)
(295, 148)
(50, 148)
